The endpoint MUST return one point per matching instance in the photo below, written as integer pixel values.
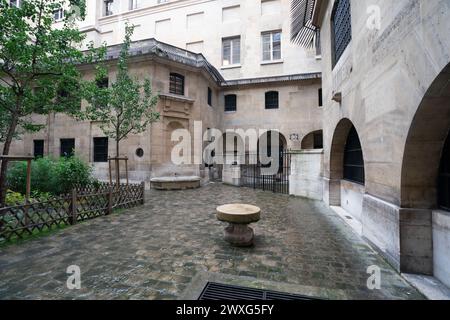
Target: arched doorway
(347, 172)
(313, 140)
(425, 223)
(269, 168)
(269, 143)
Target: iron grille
(342, 27)
(100, 149)
(353, 158)
(444, 178)
(252, 174)
(217, 291)
(272, 100)
(230, 103)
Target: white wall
(306, 174)
(195, 21)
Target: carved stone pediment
(176, 106)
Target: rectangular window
(162, 28)
(196, 47)
(341, 28)
(58, 15)
(176, 84)
(231, 51)
(231, 14)
(320, 97)
(67, 147)
(318, 140)
(14, 3)
(108, 7)
(270, 7)
(133, 4)
(100, 149)
(194, 20)
(272, 100)
(230, 103)
(209, 97)
(271, 46)
(38, 150)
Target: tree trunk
(4, 167)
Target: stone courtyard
(173, 245)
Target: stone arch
(338, 148)
(424, 146)
(424, 230)
(310, 142)
(344, 193)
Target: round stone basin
(175, 183)
(238, 216)
(238, 213)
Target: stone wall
(306, 174)
(390, 80)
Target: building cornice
(272, 79)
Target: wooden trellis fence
(84, 203)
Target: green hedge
(49, 175)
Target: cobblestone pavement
(156, 251)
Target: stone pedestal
(240, 235)
(239, 216)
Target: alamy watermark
(374, 280)
(74, 280)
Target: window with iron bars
(272, 100)
(341, 23)
(444, 178)
(176, 85)
(230, 103)
(353, 159)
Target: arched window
(341, 23)
(444, 177)
(353, 158)
(176, 84)
(230, 103)
(272, 100)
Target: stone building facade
(220, 48)
(386, 120)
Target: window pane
(277, 46)
(100, 149)
(236, 51)
(226, 52)
(266, 46)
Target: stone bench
(239, 216)
(175, 183)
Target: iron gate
(252, 175)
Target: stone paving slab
(161, 249)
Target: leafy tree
(127, 106)
(38, 66)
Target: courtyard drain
(217, 291)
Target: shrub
(70, 172)
(49, 176)
(13, 198)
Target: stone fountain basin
(175, 183)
